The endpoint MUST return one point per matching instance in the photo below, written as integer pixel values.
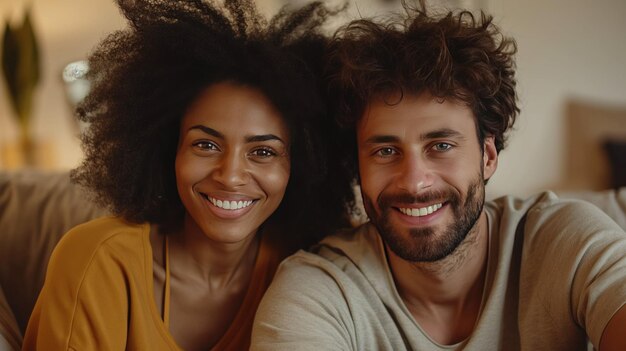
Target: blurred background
(571, 134)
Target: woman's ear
(490, 157)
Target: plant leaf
(21, 66)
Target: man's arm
(614, 335)
(303, 309)
(581, 253)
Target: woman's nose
(231, 171)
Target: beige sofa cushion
(36, 209)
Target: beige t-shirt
(556, 274)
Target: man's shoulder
(352, 242)
(337, 257)
(506, 205)
(349, 243)
(548, 219)
(547, 207)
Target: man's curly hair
(145, 77)
(453, 56)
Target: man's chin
(410, 245)
(412, 231)
(419, 254)
(422, 244)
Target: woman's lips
(229, 208)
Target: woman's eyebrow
(263, 137)
(208, 130)
(249, 139)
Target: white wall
(567, 48)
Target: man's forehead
(422, 111)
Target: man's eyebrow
(208, 130)
(442, 133)
(435, 134)
(382, 139)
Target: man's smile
(421, 211)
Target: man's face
(422, 173)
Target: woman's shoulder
(90, 274)
(101, 238)
(105, 229)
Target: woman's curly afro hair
(145, 77)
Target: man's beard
(424, 244)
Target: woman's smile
(229, 207)
(232, 163)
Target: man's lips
(421, 211)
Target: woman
(203, 144)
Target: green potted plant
(21, 70)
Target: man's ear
(490, 157)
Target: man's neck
(445, 296)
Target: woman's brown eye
(264, 152)
(205, 145)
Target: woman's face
(232, 162)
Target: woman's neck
(200, 260)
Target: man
(436, 268)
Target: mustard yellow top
(98, 293)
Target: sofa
(37, 208)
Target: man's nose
(415, 173)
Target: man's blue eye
(442, 146)
(386, 151)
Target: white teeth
(230, 205)
(422, 211)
